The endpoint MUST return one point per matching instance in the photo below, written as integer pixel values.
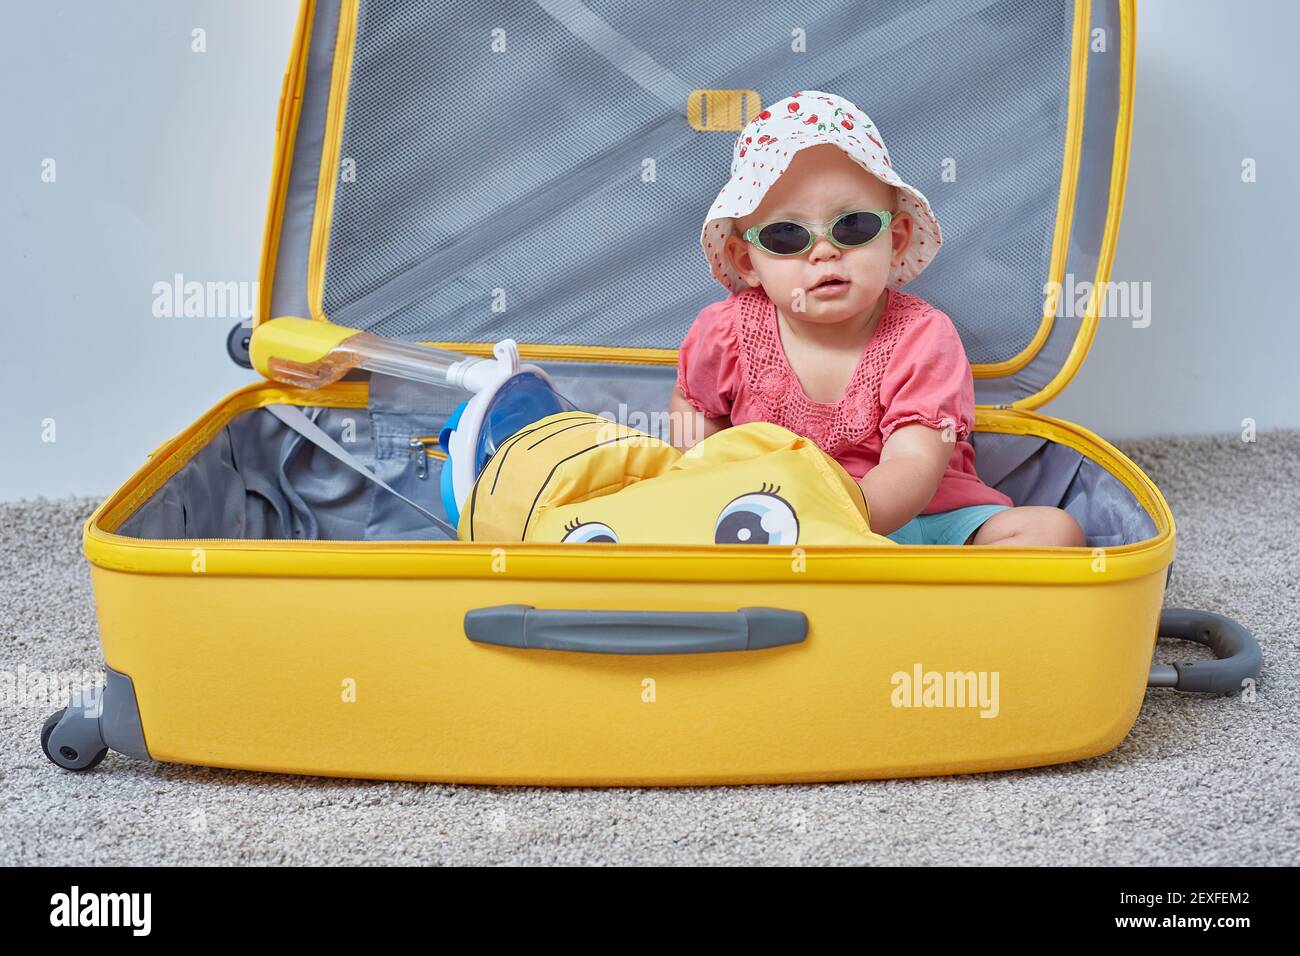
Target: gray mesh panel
(522, 170)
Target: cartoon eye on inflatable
(762, 517)
(583, 532)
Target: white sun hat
(763, 151)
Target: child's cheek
(782, 280)
(873, 263)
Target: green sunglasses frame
(885, 216)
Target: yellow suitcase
(448, 175)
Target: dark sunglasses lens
(783, 238)
(856, 228)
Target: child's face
(820, 183)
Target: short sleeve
(928, 380)
(707, 361)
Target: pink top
(914, 370)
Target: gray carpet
(1199, 780)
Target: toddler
(812, 236)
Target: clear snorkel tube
(505, 395)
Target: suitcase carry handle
(1235, 647)
(635, 632)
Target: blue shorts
(945, 527)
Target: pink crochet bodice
(914, 370)
(777, 395)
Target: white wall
(163, 164)
(1217, 81)
(163, 161)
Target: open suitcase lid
(463, 173)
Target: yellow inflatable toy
(575, 476)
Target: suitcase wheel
(67, 751)
(237, 346)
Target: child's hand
(912, 463)
(688, 425)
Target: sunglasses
(789, 238)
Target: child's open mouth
(829, 287)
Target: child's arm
(707, 372)
(688, 425)
(912, 463)
(927, 394)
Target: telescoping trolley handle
(1237, 652)
(635, 632)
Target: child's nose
(822, 250)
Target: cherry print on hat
(762, 153)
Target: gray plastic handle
(635, 632)
(1237, 651)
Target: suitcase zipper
(1062, 432)
(424, 447)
